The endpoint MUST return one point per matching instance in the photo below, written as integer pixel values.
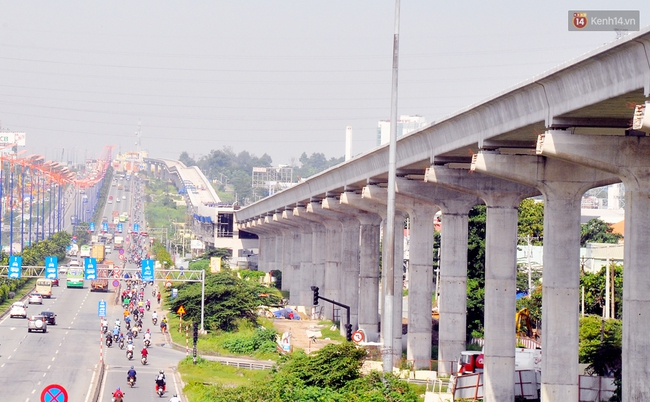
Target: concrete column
(264, 250)
(627, 158)
(327, 256)
(502, 198)
(318, 239)
(308, 277)
(357, 201)
(284, 245)
(562, 185)
(452, 305)
(367, 258)
(421, 215)
(292, 257)
(276, 243)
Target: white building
(405, 125)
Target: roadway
(69, 352)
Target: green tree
(531, 221)
(597, 231)
(227, 299)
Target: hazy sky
(278, 77)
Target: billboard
(8, 137)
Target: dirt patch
(301, 330)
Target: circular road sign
(116, 283)
(121, 251)
(121, 257)
(357, 336)
(54, 393)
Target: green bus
(75, 277)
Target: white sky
(280, 77)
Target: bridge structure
(556, 135)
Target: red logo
(579, 20)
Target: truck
(97, 252)
(101, 283)
(118, 242)
(84, 251)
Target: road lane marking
(53, 358)
(34, 390)
(48, 367)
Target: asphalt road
(66, 354)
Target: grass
(209, 372)
(328, 333)
(212, 342)
(27, 287)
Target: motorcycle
(129, 354)
(143, 360)
(131, 381)
(109, 341)
(148, 307)
(121, 343)
(135, 332)
(105, 329)
(147, 343)
(154, 320)
(160, 390)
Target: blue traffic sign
(15, 266)
(120, 228)
(136, 227)
(90, 268)
(104, 226)
(54, 393)
(148, 270)
(101, 308)
(91, 226)
(51, 267)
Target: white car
(18, 309)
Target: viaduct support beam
(452, 305)
(342, 259)
(318, 240)
(421, 214)
(562, 185)
(292, 257)
(307, 276)
(265, 251)
(628, 158)
(502, 198)
(367, 293)
(276, 244)
(393, 346)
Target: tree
(186, 159)
(531, 220)
(475, 270)
(597, 231)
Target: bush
(12, 295)
(262, 340)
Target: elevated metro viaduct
(558, 135)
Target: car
(37, 323)
(55, 282)
(117, 200)
(63, 269)
(35, 298)
(124, 197)
(49, 316)
(18, 309)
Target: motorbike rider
(131, 373)
(109, 339)
(175, 398)
(154, 315)
(163, 324)
(129, 348)
(144, 352)
(104, 324)
(160, 381)
(117, 322)
(118, 395)
(116, 332)
(148, 304)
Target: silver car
(37, 323)
(35, 298)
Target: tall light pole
(388, 314)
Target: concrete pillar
(276, 242)
(284, 247)
(367, 258)
(452, 305)
(562, 185)
(342, 260)
(264, 250)
(627, 158)
(292, 257)
(502, 198)
(307, 276)
(318, 242)
(421, 214)
(327, 256)
(357, 201)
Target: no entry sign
(54, 393)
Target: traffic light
(315, 290)
(195, 332)
(348, 332)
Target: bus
(75, 277)
(44, 287)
